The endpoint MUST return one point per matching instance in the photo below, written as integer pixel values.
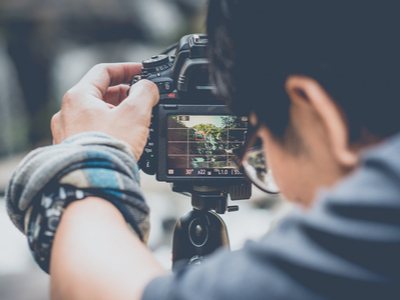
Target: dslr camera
(193, 136)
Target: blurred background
(45, 47)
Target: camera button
(170, 106)
(171, 96)
(148, 150)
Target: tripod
(201, 231)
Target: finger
(116, 94)
(143, 96)
(102, 76)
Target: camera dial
(155, 61)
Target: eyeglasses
(252, 161)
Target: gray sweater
(346, 247)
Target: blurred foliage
(39, 35)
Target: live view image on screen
(203, 145)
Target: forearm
(96, 256)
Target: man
(319, 81)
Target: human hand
(99, 102)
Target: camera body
(192, 135)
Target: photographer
(319, 83)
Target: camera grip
(148, 162)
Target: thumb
(143, 96)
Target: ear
(306, 91)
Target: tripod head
(212, 197)
(202, 231)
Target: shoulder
(345, 247)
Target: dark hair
(352, 49)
